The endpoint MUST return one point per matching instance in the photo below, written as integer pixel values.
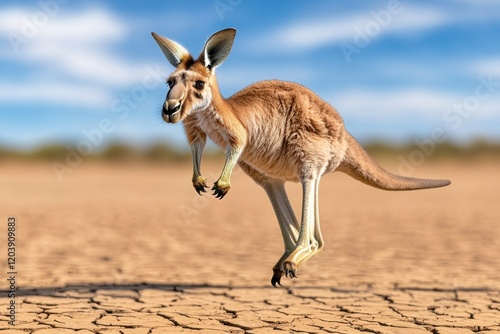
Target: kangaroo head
(192, 85)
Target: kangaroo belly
(271, 159)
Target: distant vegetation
(118, 152)
(160, 152)
(474, 149)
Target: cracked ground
(133, 249)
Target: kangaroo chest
(214, 127)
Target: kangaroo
(276, 131)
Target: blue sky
(395, 70)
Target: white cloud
(387, 105)
(55, 92)
(236, 78)
(475, 3)
(312, 34)
(375, 104)
(308, 35)
(489, 66)
(77, 45)
(83, 62)
(91, 25)
(413, 18)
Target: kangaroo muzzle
(171, 111)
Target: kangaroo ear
(217, 48)
(174, 52)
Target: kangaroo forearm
(197, 148)
(232, 156)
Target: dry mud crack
(134, 250)
(149, 308)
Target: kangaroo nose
(171, 106)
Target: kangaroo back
(361, 167)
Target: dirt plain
(128, 249)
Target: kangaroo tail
(361, 167)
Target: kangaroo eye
(199, 85)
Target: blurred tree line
(161, 152)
